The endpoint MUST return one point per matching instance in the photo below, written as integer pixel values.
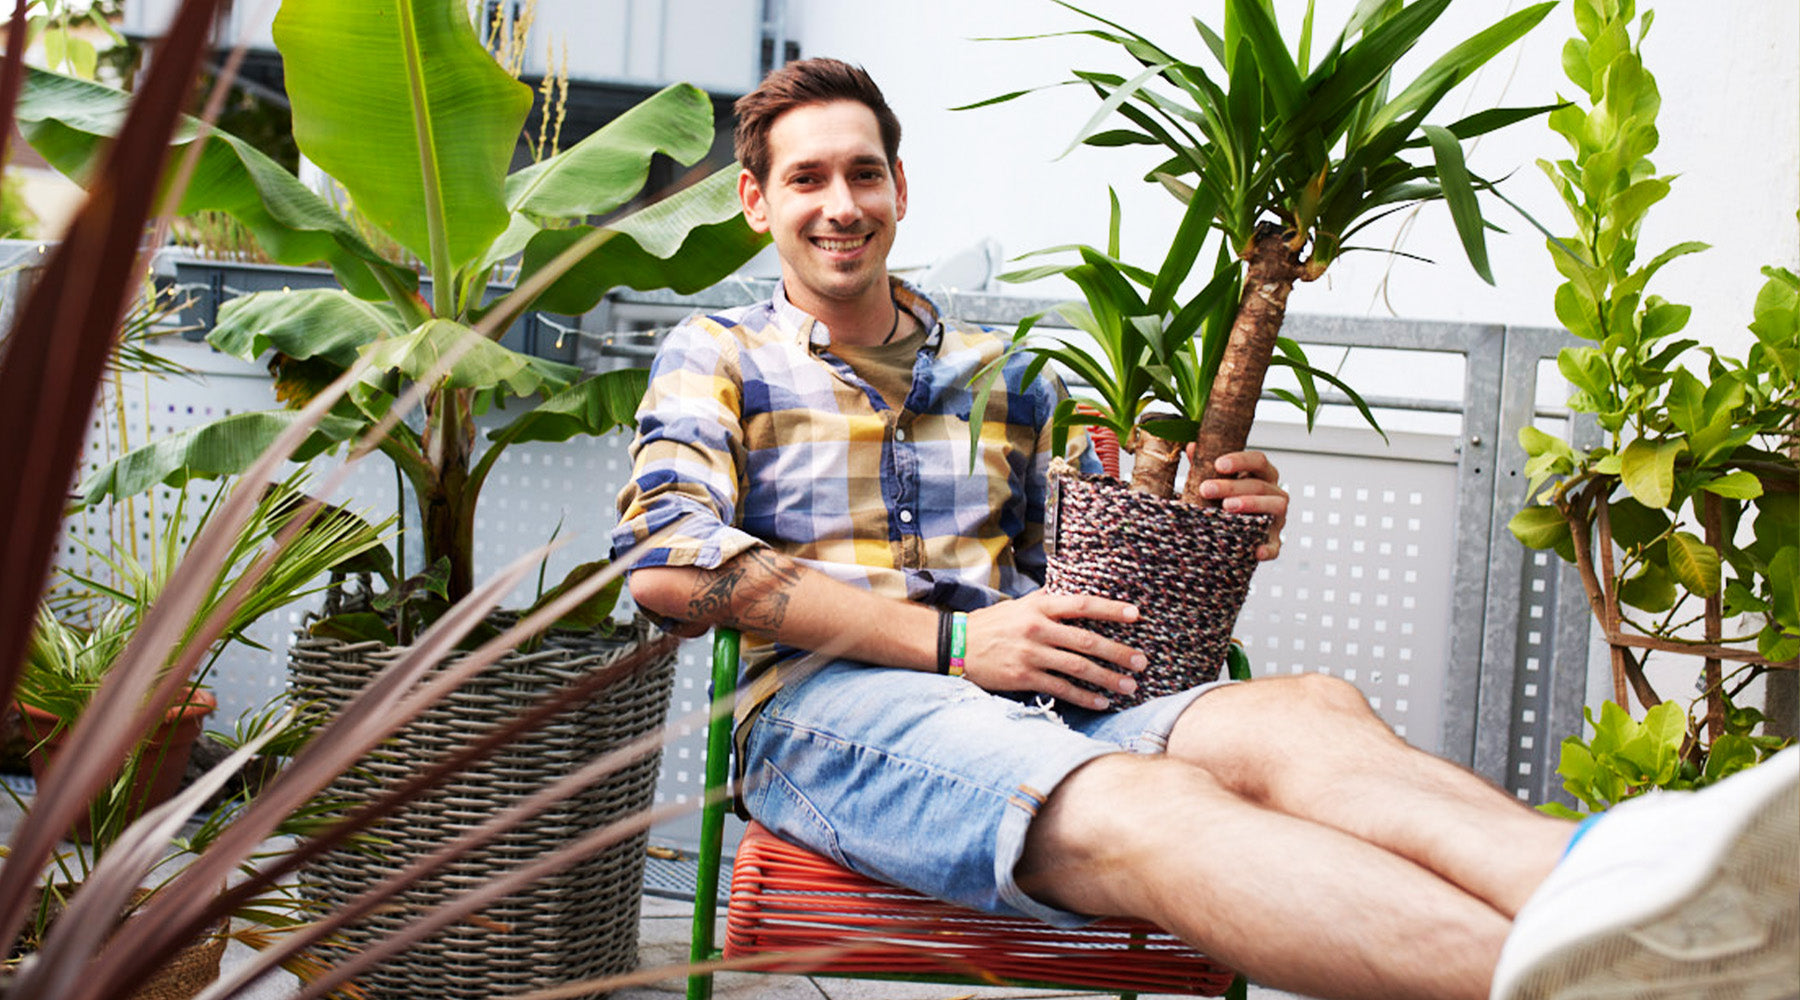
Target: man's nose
(840, 203)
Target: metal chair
(786, 899)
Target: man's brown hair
(807, 81)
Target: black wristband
(943, 660)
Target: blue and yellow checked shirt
(753, 433)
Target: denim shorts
(927, 781)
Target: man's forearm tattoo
(750, 592)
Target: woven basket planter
(182, 975)
(579, 924)
(1186, 568)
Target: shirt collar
(805, 328)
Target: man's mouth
(841, 244)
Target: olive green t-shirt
(887, 367)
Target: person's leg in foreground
(1291, 834)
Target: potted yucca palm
(1284, 158)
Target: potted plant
(1683, 517)
(420, 138)
(66, 660)
(1286, 158)
(275, 909)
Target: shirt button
(906, 517)
(899, 433)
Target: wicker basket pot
(579, 924)
(1186, 568)
(182, 975)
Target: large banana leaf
(305, 323)
(598, 405)
(479, 362)
(225, 447)
(685, 242)
(609, 167)
(400, 103)
(72, 123)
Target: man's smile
(841, 244)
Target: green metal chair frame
(712, 826)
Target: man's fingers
(1253, 464)
(1065, 606)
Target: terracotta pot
(164, 760)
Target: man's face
(831, 204)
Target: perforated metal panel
(1362, 588)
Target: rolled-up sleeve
(687, 456)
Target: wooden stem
(1711, 516)
(1231, 406)
(1154, 463)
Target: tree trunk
(445, 511)
(1154, 463)
(1231, 407)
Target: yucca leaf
(1184, 249)
(1457, 64)
(1124, 93)
(1275, 65)
(1010, 96)
(1460, 196)
(1353, 397)
(1214, 43)
(1333, 90)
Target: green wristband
(959, 642)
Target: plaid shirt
(753, 433)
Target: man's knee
(1105, 828)
(1247, 733)
(1263, 709)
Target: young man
(811, 454)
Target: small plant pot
(163, 755)
(182, 976)
(1186, 568)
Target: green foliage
(17, 220)
(1626, 758)
(1140, 342)
(72, 652)
(60, 29)
(1257, 132)
(1325, 147)
(1684, 426)
(420, 138)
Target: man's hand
(1014, 646)
(1253, 488)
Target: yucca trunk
(1275, 265)
(1154, 462)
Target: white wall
(1728, 75)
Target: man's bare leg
(1309, 746)
(1292, 904)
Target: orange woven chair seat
(786, 899)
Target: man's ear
(899, 189)
(751, 195)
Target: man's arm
(1012, 646)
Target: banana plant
(1291, 157)
(421, 135)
